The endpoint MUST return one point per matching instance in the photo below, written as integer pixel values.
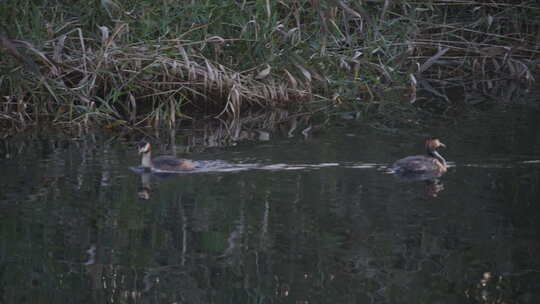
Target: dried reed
(138, 63)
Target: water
(292, 220)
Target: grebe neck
(146, 161)
(433, 153)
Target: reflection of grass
(213, 241)
(139, 62)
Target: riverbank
(138, 64)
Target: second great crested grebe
(162, 163)
(433, 162)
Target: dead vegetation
(136, 83)
(136, 63)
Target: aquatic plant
(141, 63)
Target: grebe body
(432, 163)
(162, 163)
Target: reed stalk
(141, 63)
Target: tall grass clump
(484, 46)
(154, 62)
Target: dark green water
(336, 229)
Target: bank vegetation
(143, 62)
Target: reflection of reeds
(262, 125)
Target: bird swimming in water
(431, 164)
(164, 163)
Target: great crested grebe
(433, 162)
(162, 163)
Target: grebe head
(432, 144)
(144, 147)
